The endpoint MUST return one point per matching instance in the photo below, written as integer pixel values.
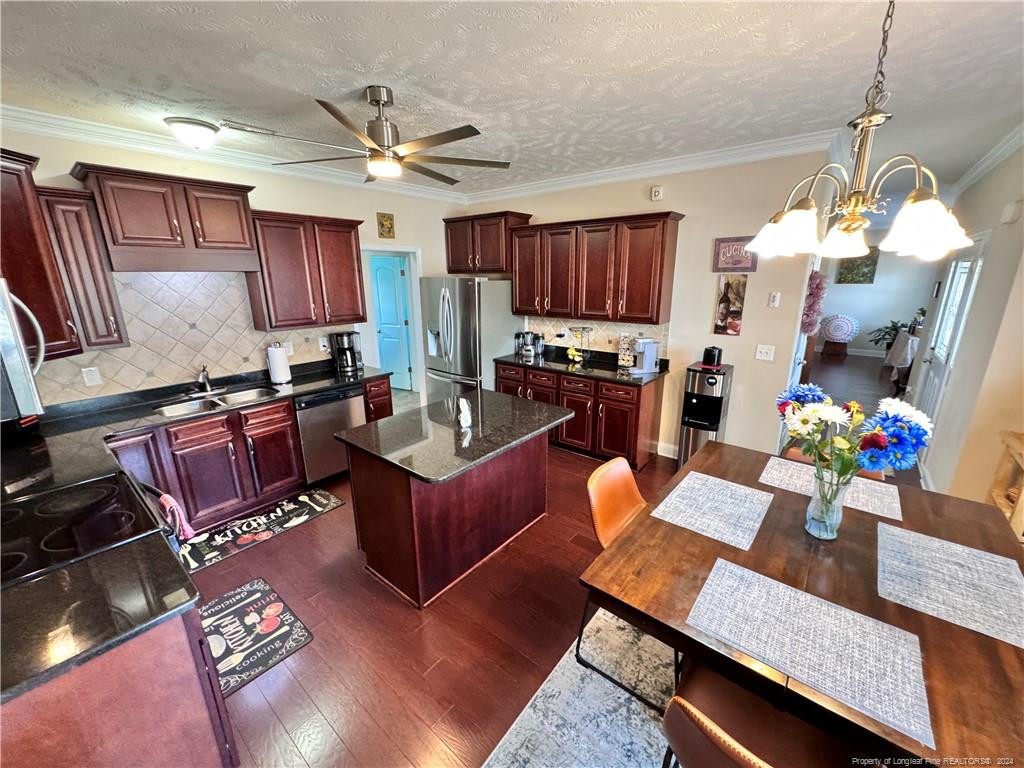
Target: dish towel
(175, 515)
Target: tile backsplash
(176, 322)
(604, 336)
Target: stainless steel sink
(245, 396)
(187, 408)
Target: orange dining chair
(712, 722)
(614, 501)
(795, 454)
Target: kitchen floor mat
(249, 630)
(232, 537)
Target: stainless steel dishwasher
(319, 417)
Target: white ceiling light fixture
(197, 134)
(924, 226)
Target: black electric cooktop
(50, 530)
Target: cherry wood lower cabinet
(610, 420)
(222, 465)
(377, 398)
(154, 700)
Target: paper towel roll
(277, 362)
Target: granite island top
(430, 444)
(598, 370)
(70, 615)
(68, 448)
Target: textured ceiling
(556, 88)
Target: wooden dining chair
(795, 454)
(713, 722)
(614, 501)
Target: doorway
(390, 291)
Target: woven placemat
(872, 496)
(966, 586)
(862, 662)
(716, 508)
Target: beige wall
(985, 391)
(720, 202)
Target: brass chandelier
(923, 227)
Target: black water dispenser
(705, 404)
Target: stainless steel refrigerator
(18, 394)
(467, 322)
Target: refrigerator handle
(450, 319)
(40, 339)
(450, 378)
(442, 325)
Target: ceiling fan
(386, 156)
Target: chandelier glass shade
(924, 226)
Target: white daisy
(802, 421)
(834, 414)
(896, 407)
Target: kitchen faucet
(204, 379)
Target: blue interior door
(391, 299)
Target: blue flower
(900, 440)
(871, 459)
(900, 459)
(802, 394)
(918, 436)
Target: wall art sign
(729, 255)
(386, 225)
(858, 271)
(731, 290)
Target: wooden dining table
(652, 573)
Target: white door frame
(981, 240)
(414, 261)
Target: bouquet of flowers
(842, 440)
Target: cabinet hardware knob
(547, 303)
(74, 330)
(536, 303)
(231, 450)
(590, 404)
(600, 411)
(608, 305)
(177, 230)
(622, 302)
(519, 393)
(111, 324)
(327, 308)
(529, 393)
(252, 447)
(312, 309)
(199, 230)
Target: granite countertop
(68, 616)
(429, 444)
(68, 448)
(593, 369)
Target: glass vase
(825, 509)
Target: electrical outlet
(657, 192)
(92, 377)
(289, 348)
(322, 341)
(774, 299)
(765, 352)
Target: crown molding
(74, 129)
(697, 161)
(1010, 143)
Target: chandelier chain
(876, 93)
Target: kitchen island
(438, 489)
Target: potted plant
(887, 334)
(842, 441)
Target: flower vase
(825, 509)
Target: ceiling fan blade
(257, 130)
(427, 172)
(434, 140)
(323, 159)
(354, 129)
(458, 161)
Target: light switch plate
(774, 299)
(322, 341)
(92, 377)
(765, 352)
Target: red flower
(784, 405)
(852, 406)
(873, 440)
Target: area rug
(577, 718)
(249, 630)
(231, 538)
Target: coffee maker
(347, 352)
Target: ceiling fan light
(383, 166)
(840, 244)
(799, 227)
(197, 134)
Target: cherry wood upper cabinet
(596, 271)
(28, 262)
(341, 272)
(158, 223)
(77, 239)
(558, 250)
(526, 272)
(618, 268)
(220, 217)
(480, 243)
(310, 272)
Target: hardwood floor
(383, 684)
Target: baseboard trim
(858, 352)
(926, 478)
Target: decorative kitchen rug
(229, 539)
(577, 718)
(249, 630)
